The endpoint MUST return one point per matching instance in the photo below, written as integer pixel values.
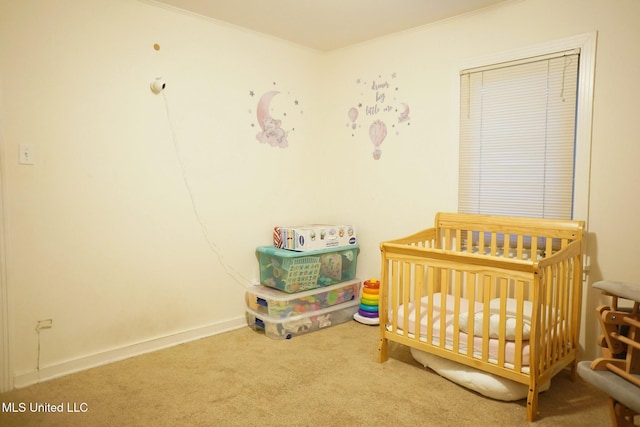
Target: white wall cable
(229, 270)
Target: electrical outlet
(44, 324)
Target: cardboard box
(314, 237)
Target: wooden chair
(617, 372)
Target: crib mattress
(510, 346)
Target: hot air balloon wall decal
(377, 133)
(379, 106)
(353, 116)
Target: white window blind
(517, 137)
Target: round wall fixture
(158, 85)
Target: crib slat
(543, 342)
(519, 324)
(465, 239)
(488, 283)
(431, 278)
(471, 241)
(506, 246)
(494, 283)
(552, 311)
(395, 291)
(447, 240)
(417, 297)
(548, 249)
(534, 248)
(420, 281)
(444, 290)
(494, 244)
(565, 286)
(472, 284)
(503, 321)
(457, 294)
(519, 246)
(555, 312)
(548, 341)
(406, 294)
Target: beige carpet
(325, 378)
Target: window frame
(586, 76)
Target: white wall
(101, 234)
(102, 237)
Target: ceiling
(329, 24)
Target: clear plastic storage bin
(292, 271)
(275, 303)
(292, 326)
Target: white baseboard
(83, 363)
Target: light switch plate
(27, 155)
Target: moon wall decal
(272, 133)
(264, 105)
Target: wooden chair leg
(621, 416)
(633, 350)
(609, 323)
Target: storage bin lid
(286, 253)
(353, 304)
(278, 295)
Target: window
(525, 132)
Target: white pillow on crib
(482, 382)
(494, 320)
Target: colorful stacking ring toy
(369, 300)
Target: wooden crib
(499, 294)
